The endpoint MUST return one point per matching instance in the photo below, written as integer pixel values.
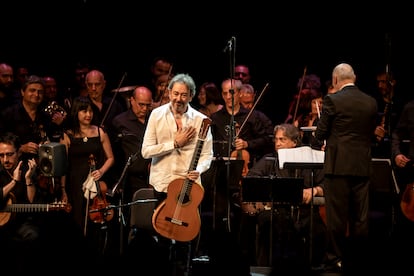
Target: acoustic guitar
(407, 202)
(12, 208)
(178, 217)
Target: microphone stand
(111, 193)
(232, 124)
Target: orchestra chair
(141, 212)
(384, 192)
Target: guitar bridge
(176, 221)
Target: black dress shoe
(335, 267)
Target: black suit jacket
(347, 124)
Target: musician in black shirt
(251, 137)
(402, 160)
(20, 233)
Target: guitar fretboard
(30, 207)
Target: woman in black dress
(89, 150)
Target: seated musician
(19, 233)
(290, 232)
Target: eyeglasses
(247, 91)
(142, 105)
(8, 154)
(240, 73)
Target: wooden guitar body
(178, 217)
(407, 202)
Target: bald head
(141, 91)
(95, 74)
(141, 102)
(6, 75)
(95, 83)
(5, 66)
(343, 74)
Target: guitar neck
(28, 208)
(196, 156)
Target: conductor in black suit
(347, 124)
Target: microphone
(229, 45)
(134, 157)
(124, 134)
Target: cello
(99, 203)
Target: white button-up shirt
(167, 162)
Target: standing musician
(89, 151)
(388, 110)
(170, 140)
(104, 109)
(26, 119)
(54, 106)
(131, 125)
(253, 139)
(256, 134)
(32, 125)
(402, 158)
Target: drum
(254, 208)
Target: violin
(244, 154)
(241, 154)
(99, 201)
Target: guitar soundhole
(185, 200)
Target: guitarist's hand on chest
(184, 136)
(193, 175)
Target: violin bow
(253, 107)
(158, 99)
(300, 90)
(112, 101)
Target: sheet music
(304, 154)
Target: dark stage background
(277, 43)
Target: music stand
(215, 179)
(312, 167)
(277, 190)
